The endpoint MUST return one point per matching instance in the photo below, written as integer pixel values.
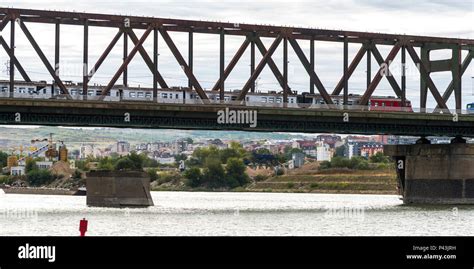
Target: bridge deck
(198, 116)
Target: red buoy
(83, 226)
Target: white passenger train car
(181, 95)
(43, 90)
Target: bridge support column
(435, 173)
(118, 189)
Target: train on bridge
(183, 95)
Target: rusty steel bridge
(331, 118)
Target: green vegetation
(173, 177)
(35, 176)
(152, 173)
(379, 158)
(359, 163)
(39, 177)
(376, 161)
(217, 168)
(30, 166)
(132, 161)
(3, 159)
(258, 178)
(193, 177)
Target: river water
(234, 213)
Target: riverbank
(310, 179)
(332, 181)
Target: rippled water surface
(200, 213)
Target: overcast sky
(432, 18)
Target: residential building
(44, 165)
(370, 149)
(17, 170)
(123, 148)
(307, 146)
(323, 151)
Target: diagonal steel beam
(125, 63)
(16, 62)
(355, 62)
(147, 59)
(426, 77)
(450, 88)
(44, 59)
(184, 65)
(393, 83)
(272, 65)
(4, 22)
(232, 63)
(378, 76)
(319, 85)
(105, 54)
(259, 68)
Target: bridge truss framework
(126, 26)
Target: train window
(90, 93)
(278, 100)
(22, 90)
(226, 98)
(31, 90)
(271, 99)
(164, 95)
(171, 96)
(264, 99)
(140, 94)
(383, 103)
(376, 104)
(4, 89)
(132, 94)
(291, 100)
(177, 96)
(73, 92)
(247, 99)
(97, 93)
(233, 98)
(44, 90)
(147, 95)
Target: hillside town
(317, 148)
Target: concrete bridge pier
(118, 189)
(435, 173)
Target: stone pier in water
(435, 173)
(118, 189)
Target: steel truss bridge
(69, 112)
